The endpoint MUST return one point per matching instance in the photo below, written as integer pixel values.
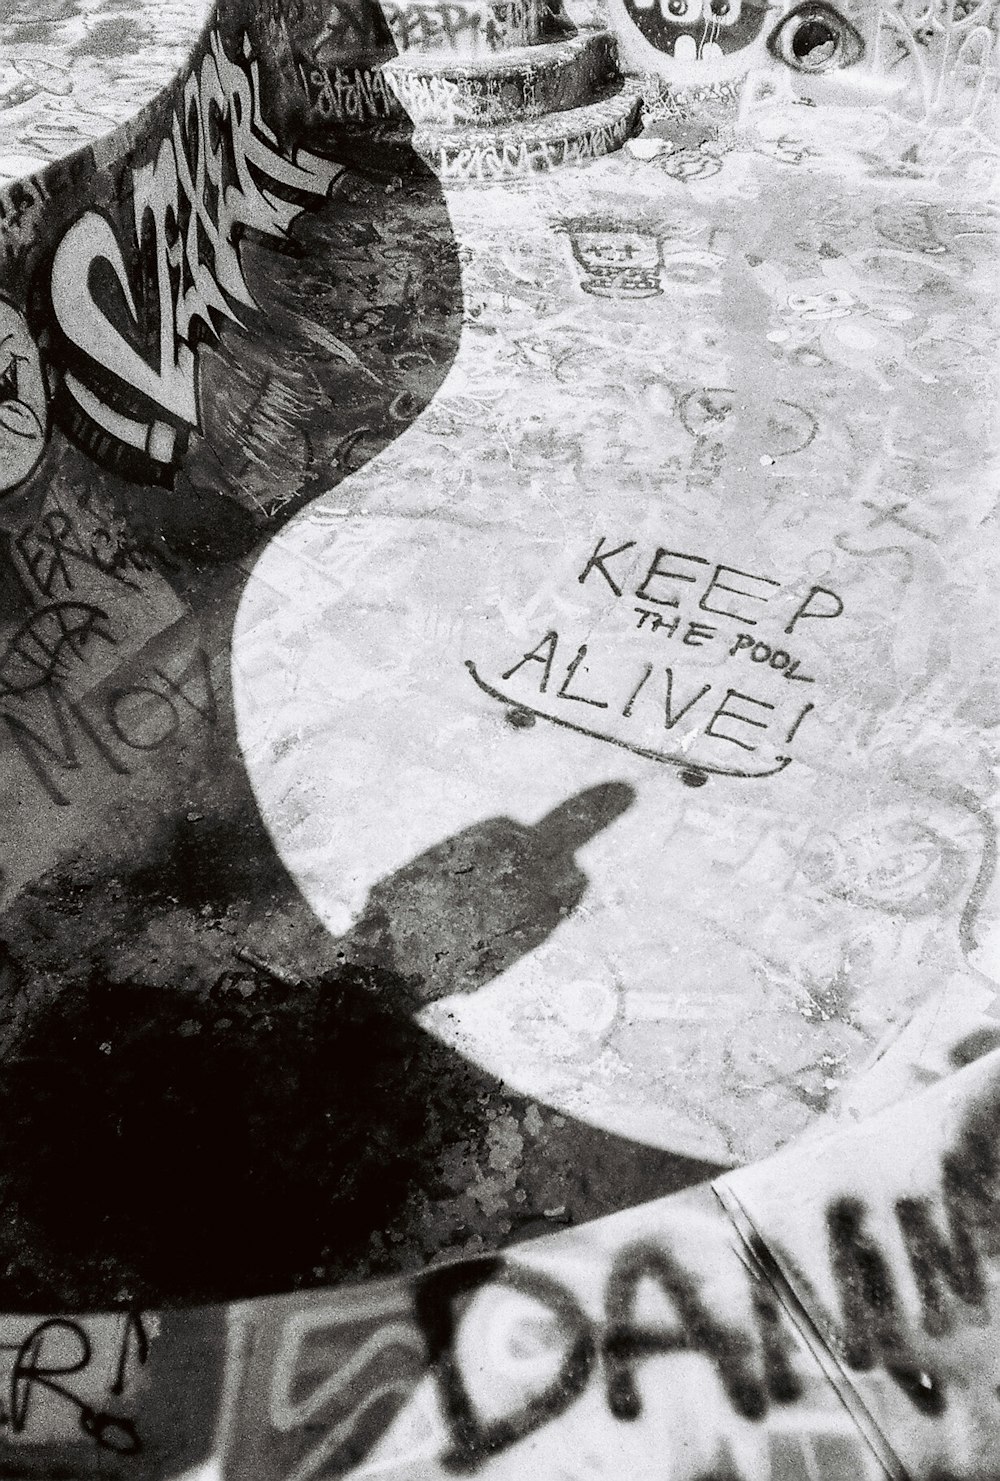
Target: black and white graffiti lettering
(221, 171)
(23, 400)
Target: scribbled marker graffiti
(129, 315)
(655, 698)
(39, 649)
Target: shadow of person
(163, 1146)
(203, 1094)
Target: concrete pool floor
(717, 426)
(71, 71)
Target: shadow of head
(464, 911)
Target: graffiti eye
(815, 38)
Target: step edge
(512, 59)
(468, 134)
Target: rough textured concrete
(71, 71)
(730, 383)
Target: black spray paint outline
(698, 769)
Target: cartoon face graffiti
(615, 262)
(23, 402)
(697, 30)
(702, 42)
(815, 38)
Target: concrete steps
(487, 92)
(569, 136)
(479, 89)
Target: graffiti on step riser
(347, 94)
(507, 1345)
(525, 156)
(130, 302)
